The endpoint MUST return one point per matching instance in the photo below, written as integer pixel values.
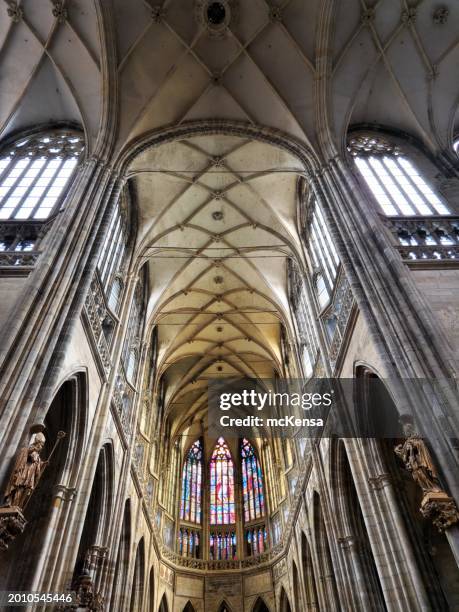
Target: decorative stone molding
(367, 16)
(409, 16)
(158, 13)
(441, 509)
(14, 11)
(216, 17)
(65, 493)
(275, 14)
(97, 314)
(440, 15)
(12, 524)
(370, 144)
(379, 482)
(340, 311)
(59, 11)
(413, 238)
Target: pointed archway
(260, 606)
(163, 607)
(284, 602)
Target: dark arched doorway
(310, 588)
(122, 560)
(284, 602)
(260, 606)
(138, 581)
(163, 607)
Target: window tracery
(222, 506)
(190, 506)
(34, 172)
(252, 483)
(393, 179)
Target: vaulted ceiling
(217, 223)
(217, 213)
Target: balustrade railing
(432, 239)
(20, 245)
(99, 320)
(337, 315)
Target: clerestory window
(394, 180)
(35, 172)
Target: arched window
(395, 182)
(190, 506)
(113, 252)
(307, 338)
(222, 511)
(322, 248)
(34, 172)
(323, 294)
(131, 365)
(252, 483)
(115, 294)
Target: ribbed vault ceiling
(217, 223)
(291, 64)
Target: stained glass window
(223, 545)
(256, 540)
(190, 507)
(221, 485)
(189, 543)
(252, 483)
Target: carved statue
(436, 504)
(417, 459)
(26, 473)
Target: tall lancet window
(393, 179)
(35, 172)
(222, 510)
(190, 506)
(252, 483)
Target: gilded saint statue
(26, 473)
(417, 460)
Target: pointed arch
(224, 607)
(163, 606)
(324, 558)
(190, 503)
(122, 559)
(222, 505)
(189, 607)
(252, 483)
(298, 600)
(151, 590)
(260, 605)
(138, 582)
(309, 579)
(284, 602)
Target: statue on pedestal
(436, 504)
(26, 473)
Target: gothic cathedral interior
(196, 195)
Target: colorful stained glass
(190, 506)
(222, 510)
(223, 545)
(256, 540)
(252, 483)
(188, 543)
